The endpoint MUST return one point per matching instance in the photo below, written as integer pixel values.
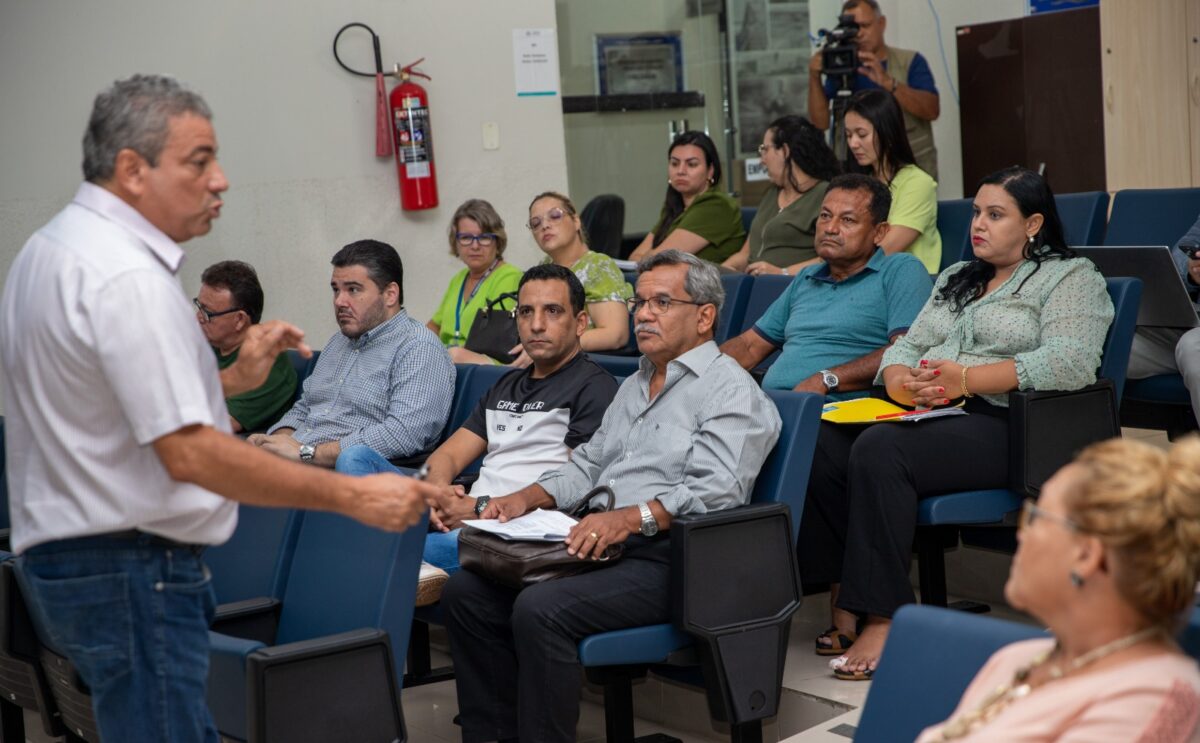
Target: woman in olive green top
(696, 217)
(477, 238)
(799, 165)
(556, 227)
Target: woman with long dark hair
(1023, 314)
(799, 165)
(877, 146)
(696, 216)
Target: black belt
(155, 540)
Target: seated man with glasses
(836, 318)
(687, 433)
(229, 304)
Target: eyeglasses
(208, 314)
(484, 239)
(658, 305)
(554, 215)
(762, 149)
(1030, 512)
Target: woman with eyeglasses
(696, 216)
(1024, 314)
(799, 165)
(1108, 560)
(477, 238)
(878, 146)
(556, 227)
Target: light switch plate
(491, 135)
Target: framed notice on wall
(639, 63)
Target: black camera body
(839, 56)
(1191, 248)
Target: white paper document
(538, 526)
(535, 61)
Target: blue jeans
(132, 616)
(441, 549)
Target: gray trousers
(1168, 351)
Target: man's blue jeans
(441, 548)
(132, 615)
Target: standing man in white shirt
(118, 440)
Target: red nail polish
(946, 401)
(937, 372)
(942, 390)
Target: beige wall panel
(1193, 45)
(1146, 120)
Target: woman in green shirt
(879, 147)
(1024, 314)
(799, 165)
(696, 217)
(555, 225)
(478, 239)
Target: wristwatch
(307, 452)
(481, 504)
(829, 379)
(649, 524)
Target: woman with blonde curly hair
(1108, 559)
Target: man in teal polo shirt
(836, 318)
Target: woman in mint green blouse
(478, 239)
(1024, 314)
(697, 217)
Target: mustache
(644, 328)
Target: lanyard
(458, 308)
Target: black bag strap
(585, 505)
(499, 300)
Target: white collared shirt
(101, 355)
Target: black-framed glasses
(1030, 512)
(658, 305)
(554, 215)
(208, 314)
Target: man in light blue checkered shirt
(385, 381)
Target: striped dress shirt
(696, 447)
(389, 389)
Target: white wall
(912, 24)
(296, 132)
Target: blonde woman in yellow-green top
(554, 222)
(879, 147)
(478, 239)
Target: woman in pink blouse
(1108, 560)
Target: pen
(900, 414)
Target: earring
(1076, 579)
(1031, 239)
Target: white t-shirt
(101, 355)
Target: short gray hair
(134, 114)
(703, 280)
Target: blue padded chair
(1156, 216)
(303, 367)
(763, 293)
(976, 513)
(614, 659)
(255, 562)
(930, 657)
(954, 226)
(1083, 216)
(332, 670)
(1159, 402)
(738, 288)
(748, 214)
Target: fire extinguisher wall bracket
(413, 140)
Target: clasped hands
(589, 538)
(934, 382)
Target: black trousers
(860, 515)
(516, 660)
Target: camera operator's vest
(920, 131)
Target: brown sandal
(839, 642)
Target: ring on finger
(594, 535)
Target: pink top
(1152, 699)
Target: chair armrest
(1047, 429)
(339, 687)
(251, 619)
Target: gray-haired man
(118, 436)
(687, 433)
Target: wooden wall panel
(1193, 44)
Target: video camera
(839, 55)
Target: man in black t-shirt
(531, 420)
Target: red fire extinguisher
(413, 140)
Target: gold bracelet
(966, 392)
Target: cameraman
(1171, 350)
(903, 73)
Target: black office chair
(603, 222)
